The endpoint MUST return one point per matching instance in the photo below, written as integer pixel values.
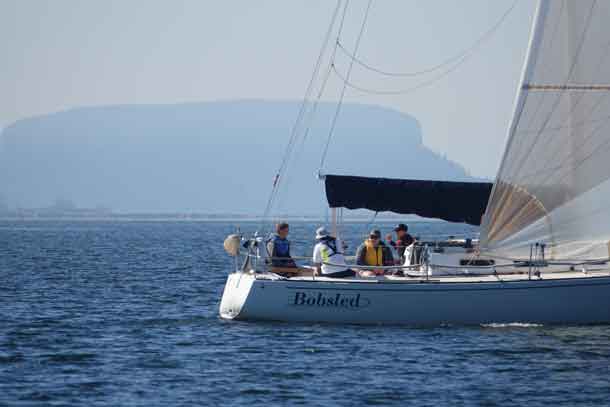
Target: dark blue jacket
(279, 251)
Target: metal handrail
(362, 267)
(515, 263)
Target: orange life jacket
(373, 257)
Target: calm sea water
(103, 313)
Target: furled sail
(451, 201)
(553, 183)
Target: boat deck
(518, 274)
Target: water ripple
(126, 313)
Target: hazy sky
(66, 53)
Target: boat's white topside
(570, 297)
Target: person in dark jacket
(403, 240)
(373, 252)
(278, 247)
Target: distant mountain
(203, 157)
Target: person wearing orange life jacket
(373, 252)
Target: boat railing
(424, 267)
(508, 268)
(392, 267)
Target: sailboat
(544, 247)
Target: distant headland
(201, 158)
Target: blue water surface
(126, 313)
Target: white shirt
(322, 253)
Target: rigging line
(298, 152)
(315, 104)
(309, 118)
(563, 92)
(340, 225)
(314, 108)
(290, 148)
(349, 71)
(367, 226)
(302, 108)
(402, 91)
(324, 81)
(486, 36)
(342, 23)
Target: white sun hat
(321, 233)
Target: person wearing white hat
(328, 256)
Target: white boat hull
(583, 300)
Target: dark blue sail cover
(447, 200)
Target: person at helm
(278, 247)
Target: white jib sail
(553, 184)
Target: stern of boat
(236, 291)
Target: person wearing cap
(373, 252)
(403, 240)
(329, 250)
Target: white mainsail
(553, 184)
